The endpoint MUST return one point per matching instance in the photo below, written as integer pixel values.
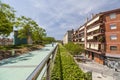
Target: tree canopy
(7, 19)
(38, 34)
(48, 40)
(27, 26)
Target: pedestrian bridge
(30, 66)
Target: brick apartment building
(101, 37)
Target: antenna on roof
(92, 15)
(87, 19)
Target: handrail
(34, 75)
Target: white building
(68, 36)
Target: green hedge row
(65, 67)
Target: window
(112, 16)
(113, 26)
(113, 47)
(113, 37)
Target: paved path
(19, 68)
(99, 72)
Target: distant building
(101, 37)
(6, 41)
(78, 36)
(68, 36)
(18, 41)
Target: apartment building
(78, 36)
(68, 37)
(101, 37)
(6, 41)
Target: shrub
(74, 49)
(88, 76)
(65, 67)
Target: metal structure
(47, 61)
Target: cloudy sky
(58, 16)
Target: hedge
(65, 67)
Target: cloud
(58, 16)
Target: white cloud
(58, 16)
(67, 11)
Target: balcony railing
(99, 31)
(79, 43)
(96, 46)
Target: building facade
(101, 37)
(17, 40)
(68, 36)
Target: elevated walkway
(19, 68)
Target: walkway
(99, 72)
(19, 68)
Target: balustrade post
(48, 70)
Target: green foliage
(65, 67)
(38, 34)
(26, 25)
(88, 76)
(30, 28)
(48, 40)
(74, 49)
(9, 47)
(7, 19)
(101, 39)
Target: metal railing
(47, 60)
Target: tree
(30, 28)
(25, 25)
(7, 19)
(38, 34)
(48, 40)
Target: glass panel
(112, 16)
(113, 47)
(113, 26)
(113, 37)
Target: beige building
(68, 36)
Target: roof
(110, 11)
(103, 13)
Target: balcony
(79, 42)
(96, 38)
(96, 32)
(96, 47)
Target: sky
(58, 16)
